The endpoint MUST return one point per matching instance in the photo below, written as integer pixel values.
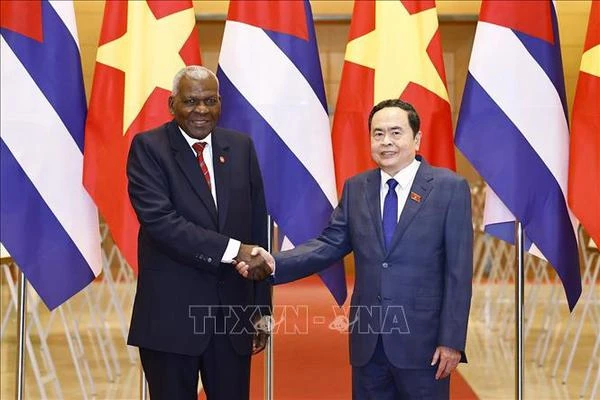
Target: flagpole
(269, 350)
(519, 296)
(21, 336)
(143, 385)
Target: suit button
(379, 298)
(209, 259)
(385, 265)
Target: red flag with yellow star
(394, 51)
(142, 46)
(584, 157)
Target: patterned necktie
(390, 212)
(199, 147)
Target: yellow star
(397, 50)
(590, 61)
(148, 53)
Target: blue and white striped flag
(272, 88)
(49, 223)
(513, 128)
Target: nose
(201, 108)
(386, 139)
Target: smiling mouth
(200, 122)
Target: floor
(490, 371)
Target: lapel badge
(415, 197)
(222, 159)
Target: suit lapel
(372, 189)
(221, 166)
(421, 187)
(186, 159)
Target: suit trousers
(225, 373)
(380, 380)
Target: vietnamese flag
(394, 51)
(143, 44)
(584, 157)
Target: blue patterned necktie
(390, 212)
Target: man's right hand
(255, 265)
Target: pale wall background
(332, 22)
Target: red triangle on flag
(23, 17)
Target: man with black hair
(409, 226)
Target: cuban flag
(272, 88)
(49, 223)
(513, 128)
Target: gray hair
(195, 72)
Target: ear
(418, 140)
(171, 108)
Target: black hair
(413, 118)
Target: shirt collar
(191, 141)
(404, 177)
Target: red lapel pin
(415, 197)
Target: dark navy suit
(182, 239)
(417, 295)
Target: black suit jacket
(183, 236)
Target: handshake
(254, 262)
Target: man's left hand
(261, 334)
(448, 360)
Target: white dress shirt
(405, 178)
(233, 247)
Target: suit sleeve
(262, 289)
(320, 253)
(151, 199)
(459, 270)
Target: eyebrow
(390, 128)
(194, 97)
